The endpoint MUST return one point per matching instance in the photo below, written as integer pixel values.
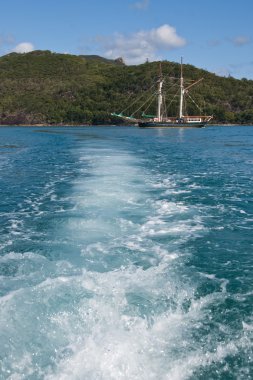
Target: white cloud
(241, 40)
(141, 4)
(23, 47)
(136, 48)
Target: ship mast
(159, 93)
(181, 91)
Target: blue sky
(216, 35)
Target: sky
(216, 35)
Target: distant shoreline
(107, 125)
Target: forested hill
(48, 88)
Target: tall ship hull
(161, 119)
(150, 124)
(190, 122)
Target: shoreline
(108, 125)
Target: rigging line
(142, 105)
(170, 85)
(149, 104)
(169, 81)
(194, 102)
(185, 105)
(136, 100)
(171, 90)
(176, 94)
(131, 104)
(129, 96)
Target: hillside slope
(48, 88)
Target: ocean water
(126, 253)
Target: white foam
(209, 276)
(177, 192)
(115, 344)
(6, 244)
(21, 256)
(127, 319)
(8, 297)
(110, 342)
(167, 208)
(247, 326)
(184, 368)
(156, 227)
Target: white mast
(181, 91)
(160, 97)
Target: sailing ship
(161, 120)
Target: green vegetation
(48, 88)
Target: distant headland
(45, 88)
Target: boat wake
(114, 298)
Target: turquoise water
(126, 253)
